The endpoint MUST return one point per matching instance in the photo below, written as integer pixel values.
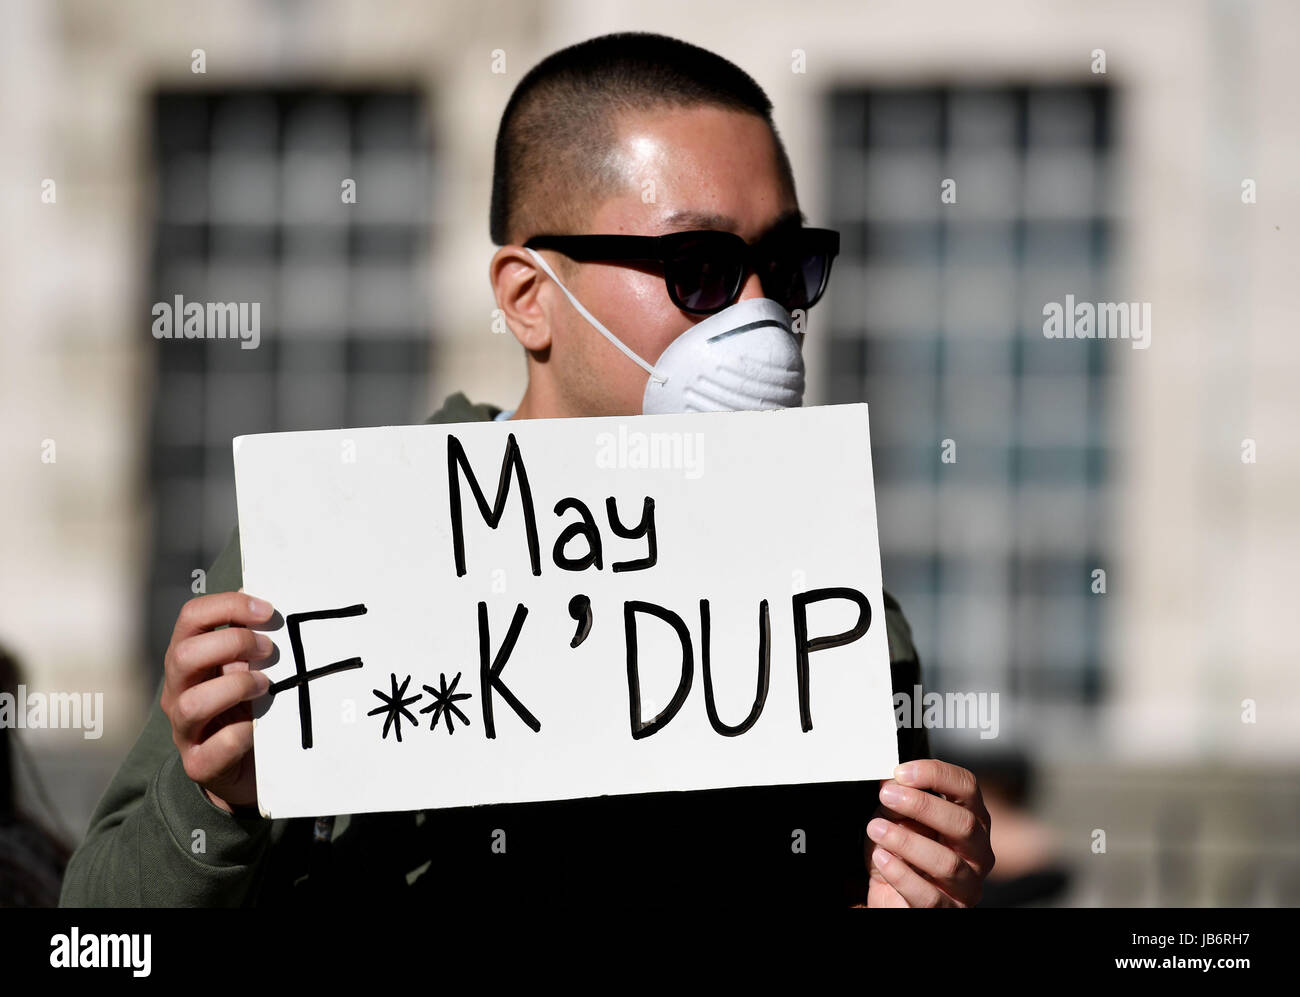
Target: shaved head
(558, 146)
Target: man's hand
(927, 850)
(208, 686)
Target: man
(624, 135)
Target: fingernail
(889, 793)
(259, 607)
(905, 773)
(881, 857)
(878, 828)
(262, 680)
(264, 644)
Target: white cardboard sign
(428, 658)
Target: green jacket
(156, 840)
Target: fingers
(210, 678)
(883, 889)
(900, 818)
(940, 866)
(880, 893)
(220, 608)
(201, 703)
(947, 818)
(933, 850)
(193, 656)
(911, 886)
(957, 784)
(221, 753)
(957, 827)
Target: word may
(1105, 320)
(663, 450)
(220, 320)
(955, 710)
(70, 710)
(91, 951)
(394, 705)
(512, 465)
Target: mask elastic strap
(593, 320)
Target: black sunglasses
(705, 270)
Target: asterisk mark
(444, 703)
(395, 707)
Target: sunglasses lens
(704, 274)
(795, 274)
(706, 271)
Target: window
(937, 322)
(249, 207)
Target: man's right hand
(208, 688)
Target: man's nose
(753, 288)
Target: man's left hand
(928, 850)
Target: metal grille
(937, 322)
(249, 208)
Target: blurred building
(1166, 179)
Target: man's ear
(516, 283)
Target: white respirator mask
(744, 357)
